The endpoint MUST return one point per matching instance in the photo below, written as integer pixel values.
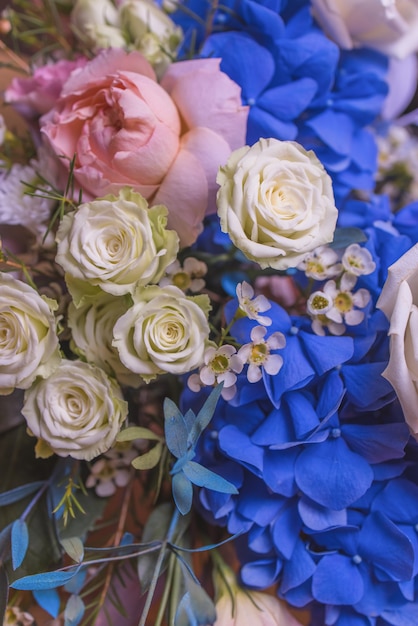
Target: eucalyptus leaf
(205, 414)
(182, 492)
(155, 529)
(14, 495)
(344, 237)
(4, 592)
(73, 546)
(203, 477)
(46, 580)
(74, 611)
(20, 542)
(48, 600)
(149, 459)
(137, 432)
(176, 432)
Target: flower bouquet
(208, 320)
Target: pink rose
(165, 140)
(36, 95)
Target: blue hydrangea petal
(299, 596)
(385, 545)
(285, 530)
(406, 615)
(326, 352)
(259, 506)
(334, 129)
(329, 588)
(365, 384)
(261, 123)
(317, 517)
(377, 443)
(330, 474)
(279, 471)
(276, 430)
(248, 63)
(288, 101)
(259, 540)
(261, 574)
(298, 569)
(238, 446)
(399, 501)
(377, 595)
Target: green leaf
(74, 611)
(176, 432)
(205, 415)
(14, 495)
(73, 546)
(203, 477)
(182, 492)
(344, 237)
(46, 580)
(150, 459)
(155, 529)
(137, 432)
(4, 592)
(20, 542)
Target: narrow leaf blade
(203, 477)
(20, 542)
(148, 460)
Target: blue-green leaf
(205, 414)
(49, 600)
(203, 477)
(20, 542)
(182, 492)
(175, 429)
(73, 546)
(344, 237)
(46, 580)
(74, 611)
(14, 495)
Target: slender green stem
(157, 569)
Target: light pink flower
(36, 95)
(165, 140)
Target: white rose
(151, 31)
(92, 333)
(77, 411)
(96, 24)
(114, 243)
(164, 331)
(29, 344)
(387, 26)
(399, 302)
(276, 202)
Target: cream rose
(92, 334)
(390, 27)
(151, 31)
(164, 331)
(29, 344)
(96, 23)
(77, 411)
(399, 302)
(114, 244)
(276, 202)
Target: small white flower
(319, 303)
(258, 353)
(106, 475)
(345, 302)
(251, 306)
(220, 366)
(14, 616)
(321, 264)
(187, 277)
(358, 260)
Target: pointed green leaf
(175, 429)
(20, 542)
(182, 492)
(74, 611)
(150, 459)
(73, 546)
(47, 580)
(205, 414)
(14, 495)
(203, 477)
(137, 432)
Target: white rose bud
(77, 411)
(399, 302)
(388, 26)
(164, 331)
(114, 244)
(96, 24)
(92, 333)
(29, 344)
(151, 32)
(276, 202)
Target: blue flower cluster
(322, 459)
(298, 84)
